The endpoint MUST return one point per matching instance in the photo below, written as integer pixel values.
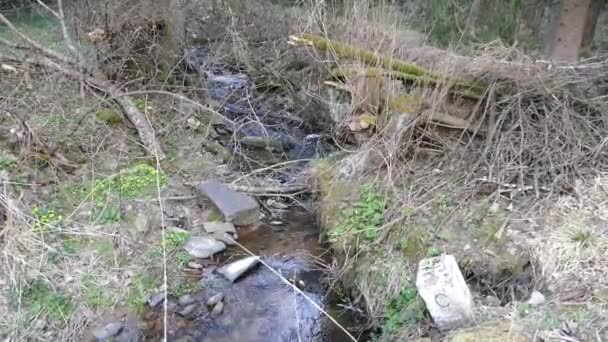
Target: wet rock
(194, 265)
(225, 238)
(107, 331)
(277, 223)
(234, 270)
(237, 208)
(187, 299)
(213, 300)
(156, 299)
(536, 298)
(190, 310)
(203, 246)
(219, 227)
(217, 309)
(445, 293)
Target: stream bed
(259, 306)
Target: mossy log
(369, 57)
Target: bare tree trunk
(592, 16)
(173, 35)
(566, 34)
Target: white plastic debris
(445, 293)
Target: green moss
(42, 300)
(108, 116)
(362, 217)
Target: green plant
(45, 219)
(182, 258)
(523, 309)
(183, 287)
(107, 214)
(7, 162)
(582, 237)
(95, 295)
(44, 301)
(363, 217)
(434, 252)
(403, 309)
(176, 239)
(141, 287)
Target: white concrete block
(445, 293)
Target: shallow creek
(259, 306)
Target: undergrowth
(362, 217)
(42, 300)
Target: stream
(260, 306)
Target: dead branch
(74, 67)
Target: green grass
(97, 296)
(362, 217)
(142, 285)
(42, 300)
(40, 28)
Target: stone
(107, 331)
(445, 292)
(225, 238)
(219, 227)
(217, 309)
(276, 204)
(156, 299)
(213, 300)
(141, 222)
(187, 299)
(536, 298)
(203, 246)
(195, 265)
(189, 310)
(237, 208)
(234, 270)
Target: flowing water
(260, 306)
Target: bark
(597, 6)
(567, 32)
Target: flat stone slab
(445, 292)
(237, 208)
(219, 227)
(203, 246)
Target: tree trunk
(592, 16)
(173, 35)
(566, 34)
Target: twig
(268, 190)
